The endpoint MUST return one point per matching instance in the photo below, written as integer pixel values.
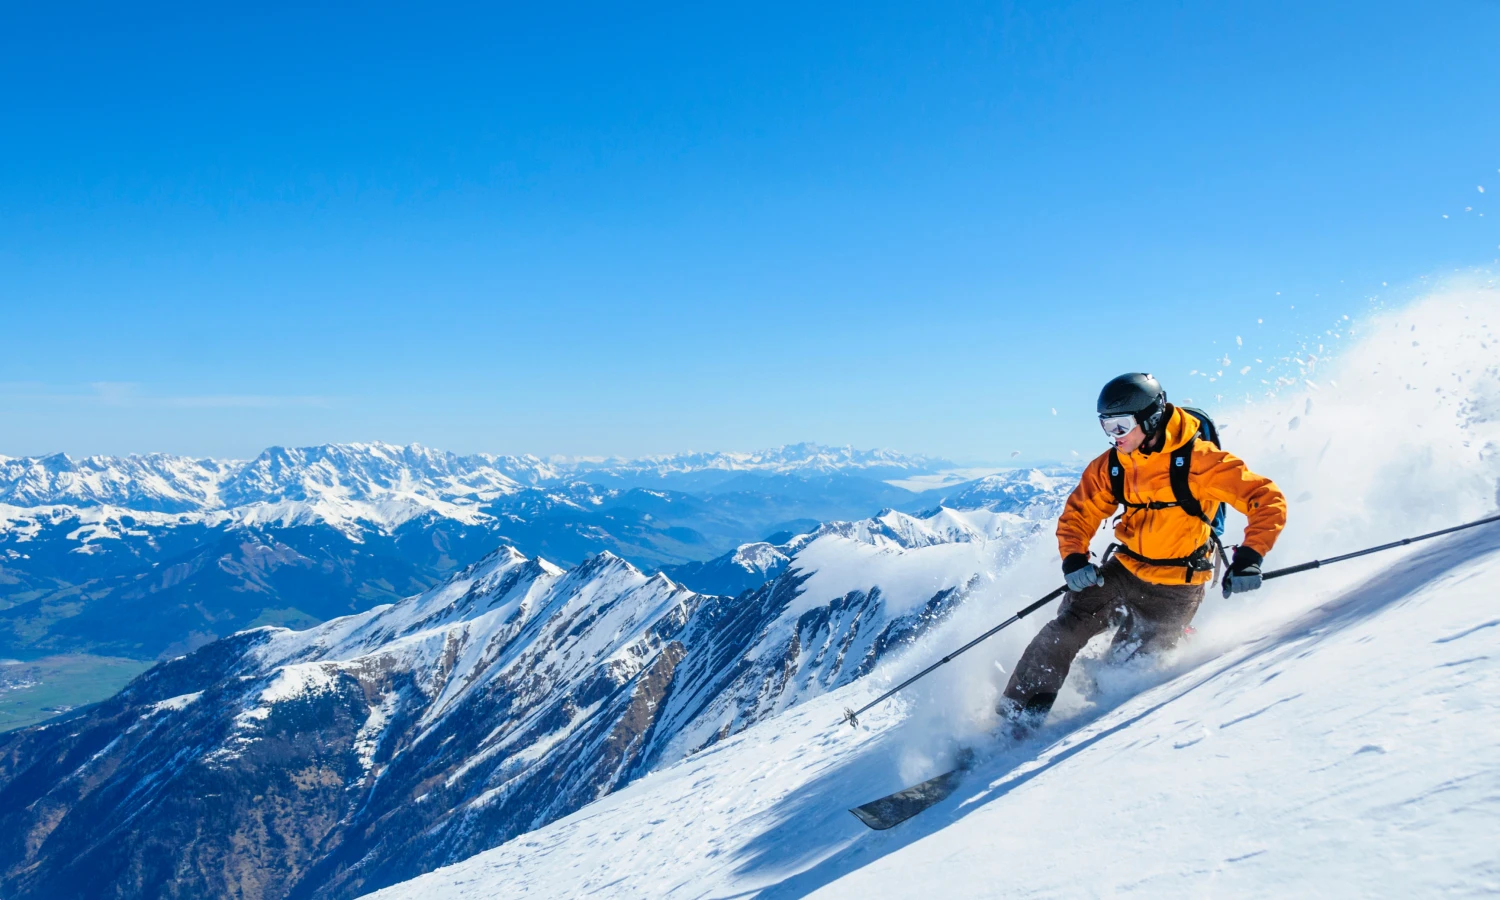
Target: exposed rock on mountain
(153, 555)
(154, 483)
(331, 761)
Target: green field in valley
(33, 691)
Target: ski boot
(1018, 721)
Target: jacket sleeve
(1089, 505)
(1227, 479)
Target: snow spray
(1390, 429)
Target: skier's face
(1130, 441)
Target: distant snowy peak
(364, 472)
(752, 565)
(788, 459)
(525, 469)
(157, 482)
(360, 486)
(942, 526)
(745, 568)
(341, 474)
(759, 558)
(1029, 492)
(332, 472)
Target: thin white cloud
(130, 394)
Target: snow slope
(1345, 753)
(1333, 734)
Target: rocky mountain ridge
(331, 761)
(375, 473)
(329, 531)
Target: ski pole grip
(1292, 570)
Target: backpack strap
(1117, 484)
(1180, 467)
(1198, 561)
(1116, 477)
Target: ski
(893, 809)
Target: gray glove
(1080, 573)
(1244, 572)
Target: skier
(1165, 548)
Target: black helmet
(1137, 394)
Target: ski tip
(872, 820)
(893, 809)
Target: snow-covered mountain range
(377, 746)
(687, 471)
(752, 564)
(383, 484)
(156, 555)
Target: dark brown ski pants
(1157, 614)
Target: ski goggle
(1117, 426)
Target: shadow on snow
(815, 840)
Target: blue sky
(590, 229)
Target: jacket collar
(1180, 429)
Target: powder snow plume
(1396, 435)
(1400, 432)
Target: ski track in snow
(1332, 734)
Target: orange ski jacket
(1214, 477)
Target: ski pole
(1318, 563)
(852, 715)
